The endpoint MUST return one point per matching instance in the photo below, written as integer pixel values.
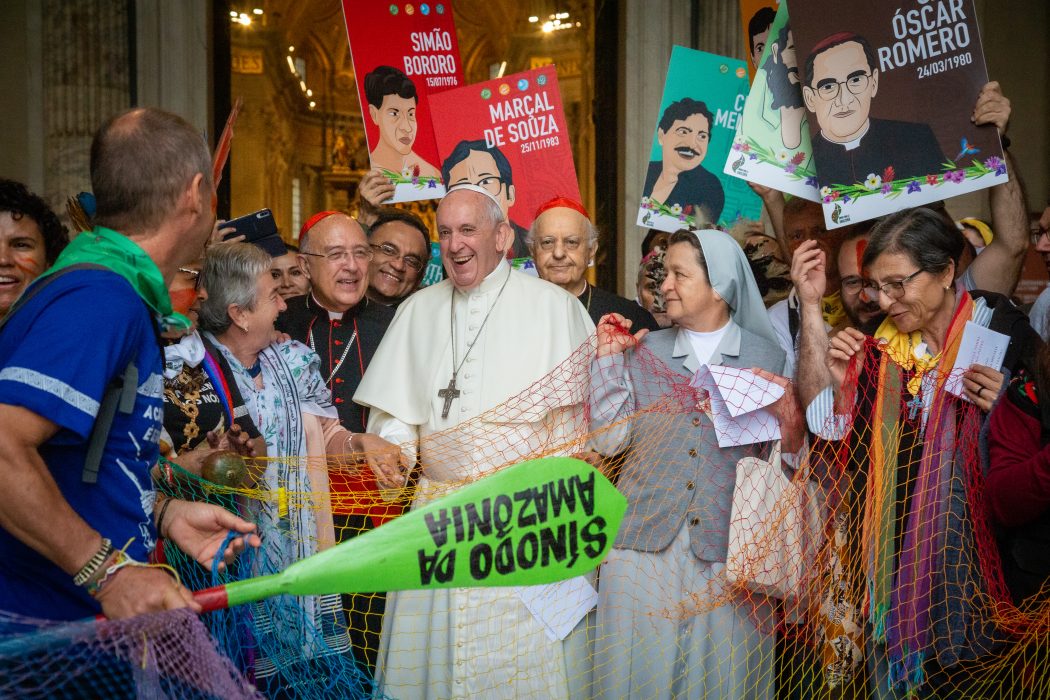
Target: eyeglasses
(547, 243)
(853, 285)
(829, 89)
(414, 262)
(361, 254)
(195, 274)
(491, 184)
(895, 290)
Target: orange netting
(865, 566)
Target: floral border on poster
(675, 211)
(411, 176)
(886, 184)
(790, 163)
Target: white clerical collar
(851, 144)
(493, 281)
(332, 315)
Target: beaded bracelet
(119, 563)
(88, 571)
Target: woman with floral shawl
(288, 402)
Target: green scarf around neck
(118, 253)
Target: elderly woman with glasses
(910, 424)
(287, 400)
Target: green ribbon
(121, 255)
(881, 571)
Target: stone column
(649, 30)
(174, 70)
(85, 79)
(21, 110)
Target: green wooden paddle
(540, 521)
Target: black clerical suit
(345, 346)
(599, 302)
(910, 148)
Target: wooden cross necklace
(451, 393)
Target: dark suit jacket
(305, 318)
(600, 302)
(698, 187)
(911, 149)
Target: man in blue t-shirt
(77, 335)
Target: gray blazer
(674, 471)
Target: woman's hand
(385, 459)
(788, 412)
(614, 335)
(981, 385)
(234, 440)
(846, 343)
(198, 529)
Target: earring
(244, 328)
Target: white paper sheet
(560, 606)
(738, 401)
(742, 390)
(979, 346)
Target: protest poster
(702, 102)
(890, 88)
(756, 16)
(403, 54)
(508, 135)
(435, 270)
(772, 146)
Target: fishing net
(866, 566)
(160, 655)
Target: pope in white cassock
(454, 352)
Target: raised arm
(998, 267)
(612, 393)
(374, 189)
(774, 202)
(808, 274)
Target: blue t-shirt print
(58, 354)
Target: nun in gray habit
(668, 624)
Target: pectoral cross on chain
(914, 406)
(449, 393)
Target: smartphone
(260, 229)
